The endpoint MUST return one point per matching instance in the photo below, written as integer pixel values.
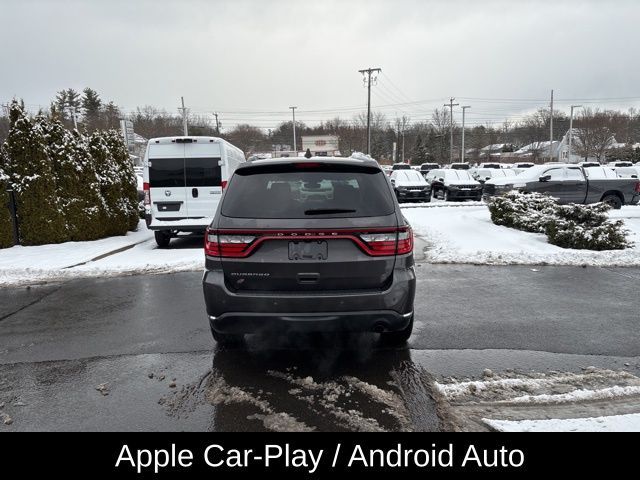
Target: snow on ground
(613, 423)
(133, 253)
(592, 400)
(467, 235)
(454, 232)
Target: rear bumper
(367, 321)
(180, 225)
(251, 312)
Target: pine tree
(41, 219)
(117, 181)
(91, 108)
(6, 225)
(60, 103)
(76, 184)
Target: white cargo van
(183, 182)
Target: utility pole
(295, 144)
(183, 110)
(367, 79)
(217, 124)
(571, 131)
(551, 130)
(464, 107)
(451, 105)
(403, 140)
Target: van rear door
(167, 181)
(203, 176)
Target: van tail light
(223, 184)
(637, 187)
(226, 245)
(147, 193)
(377, 242)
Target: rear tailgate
(326, 227)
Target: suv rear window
(295, 191)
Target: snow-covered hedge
(584, 227)
(523, 211)
(6, 227)
(68, 186)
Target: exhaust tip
(379, 327)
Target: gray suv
(315, 244)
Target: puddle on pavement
(310, 383)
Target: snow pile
(129, 254)
(467, 235)
(613, 423)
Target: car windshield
(457, 175)
(410, 176)
(289, 191)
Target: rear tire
(613, 201)
(163, 237)
(227, 339)
(400, 337)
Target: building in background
(321, 145)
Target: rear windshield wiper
(327, 211)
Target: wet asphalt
(135, 353)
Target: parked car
(140, 186)
(342, 261)
(620, 163)
(589, 164)
(569, 184)
(460, 166)
(519, 167)
(484, 174)
(410, 186)
(627, 172)
(427, 167)
(401, 166)
(183, 181)
(448, 184)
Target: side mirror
(441, 179)
(393, 181)
(545, 178)
(487, 178)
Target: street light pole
(295, 145)
(464, 107)
(571, 131)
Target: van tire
(399, 337)
(163, 237)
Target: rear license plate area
(308, 250)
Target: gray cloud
(266, 55)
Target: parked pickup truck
(569, 184)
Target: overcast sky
(500, 57)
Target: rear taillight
(227, 245)
(637, 187)
(385, 243)
(147, 194)
(405, 241)
(375, 242)
(223, 184)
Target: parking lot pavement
(135, 353)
